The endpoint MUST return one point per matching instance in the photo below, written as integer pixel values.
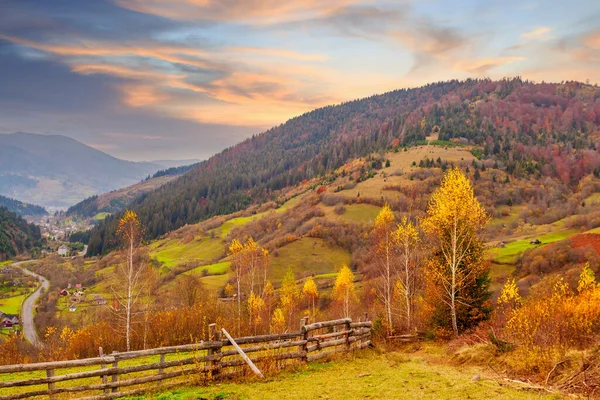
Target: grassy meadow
(365, 375)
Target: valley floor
(367, 375)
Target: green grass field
(173, 252)
(100, 216)
(227, 226)
(367, 375)
(361, 213)
(307, 255)
(12, 305)
(219, 268)
(513, 250)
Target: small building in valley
(63, 250)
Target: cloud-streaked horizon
(157, 79)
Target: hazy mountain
(57, 171)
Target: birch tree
(130, 232)
(385, 248)
(343, 289)
(311, 292)
(454, 220)
(407, 238)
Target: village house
(8, 320)
(63, 251)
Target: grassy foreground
(368, 375)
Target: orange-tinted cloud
(537, 33)
(248, 11)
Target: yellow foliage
(587, 279)
(545, 328)
(343, 289)
(130, 227)
(277, 321)
(310, 289)
(454, 205)
(510, 294)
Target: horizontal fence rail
(102, 377)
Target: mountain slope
(21, 208)
(523, 128)
(54, 170)
(16, 235)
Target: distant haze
(57, 171)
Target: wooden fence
(195, 363)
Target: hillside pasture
(510, 253)
(174, 252)
(305, 257)
(12, 305)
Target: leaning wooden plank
(244, 356)
(326, 324)
(265, 347)
(264, 338)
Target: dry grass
(367, 375)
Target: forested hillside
(524, 129)
(21, 208)
(16, 235)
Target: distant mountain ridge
(58, 171)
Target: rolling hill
(20, 208)
(520, 128)
(16, 235)
(57, 171)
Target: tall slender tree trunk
(407, 291)
(454, 271)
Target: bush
(339, 209)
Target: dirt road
(27, 310)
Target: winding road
(28, 305)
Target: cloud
(248, 11)
(537, 33)
(484, 65)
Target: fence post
(348, 335)
(115, 376)
(304, 347)
(51, 385)
(214, 354)
(103, 366)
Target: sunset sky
(160, 79)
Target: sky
(182, 79)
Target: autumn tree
(311, 293)
(343, 289)
(454, 220)
(289, 295)
(406, 237)
(237, 264)
(130, 232)
(385, 247)
(255, 307)
(250, 263)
